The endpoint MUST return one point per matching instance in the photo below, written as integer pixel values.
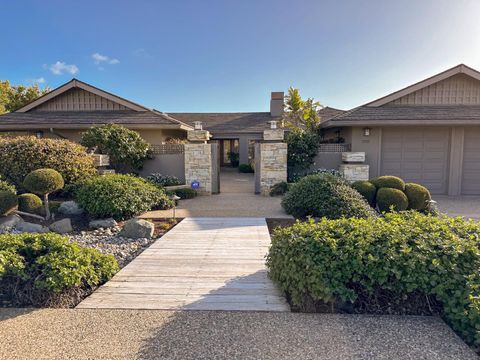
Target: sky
(225, 55)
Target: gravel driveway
(151, 334)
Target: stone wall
(272, 166)
(354, 172)
(198, 166)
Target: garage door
(471, 162)
(417, 155)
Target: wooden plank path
(201, 264)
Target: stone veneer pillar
(198, 161)
(272, 165)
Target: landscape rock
(63, 226)
(70, 208)
(137, 228)
(102, 223)
(27, 227)
(7, 223)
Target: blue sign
(195, 184)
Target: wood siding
(79, 100)
(459, 89)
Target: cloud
(99, 58)
(60, 68)
(40, 80)
(142, 53)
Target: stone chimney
(276, 103)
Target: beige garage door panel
(471, 163)
(417, 155)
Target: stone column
(198, 161)
(272, 166)
(353, 167)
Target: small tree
(125, 147)
(43, 182)
(14, 97)
(301, 114)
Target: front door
(227, 148)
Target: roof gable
(459, 85)
(76, 95)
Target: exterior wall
(370, 145)
(79, 100)
(327, 160)
(459, 89)
(167, 164)
(198, 166)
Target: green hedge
(21, 155)
(8, 202)
(186, 193)
(418, 196)
(43, 269)
(399, 254)
(119, 196)
(367, 189)
(325, 195)
(6, 186)
(388, 182)
(388, 198)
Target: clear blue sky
(203, 55)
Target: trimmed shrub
(388, 182)
(418, 196)
(245, 168)
(126, 148)
(367, 189)
(48, 270)
(380, 263)
(163, 180)
(43, 182)
(325, 195)
(21, 155)
(389, 197)
(8, 202)
(186, 193)
(5, 186)
(30, 203)
(302, 149)
(119, 196)
(294, 177)
(280, 188)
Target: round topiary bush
(367, 189)
(418, 196)
(325, 195)
(389, 197)
(21, 155)
(8, 202)
(119, 196)
(30, 203)
(43, 181)
(388, 182)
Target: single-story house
(428, 132)
(70, 109)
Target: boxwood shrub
(30, 203)
(367, 189)
(21, 155)
(119, 196)
(186, 193)
(390, 259)
(388, 182)
(390, 198)
(418, 196)
(325, 195)
(8, 202)
(48, 270)
(6, 186)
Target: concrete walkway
(236, 199)
(154, 334)
(467, 206)
(201, 264)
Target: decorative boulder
(7, 223)
(63, 226)
(137, 229)
(102, 223)
(70, 208)
(27, 227)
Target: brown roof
(253, 122)
(327, 113)
(391, 115)
(73, 118)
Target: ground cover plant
(402, 263)
(119, 196)
(48, 270)
(163, 180)
(21, 155)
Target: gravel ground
(134, 334)
(108, 242)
